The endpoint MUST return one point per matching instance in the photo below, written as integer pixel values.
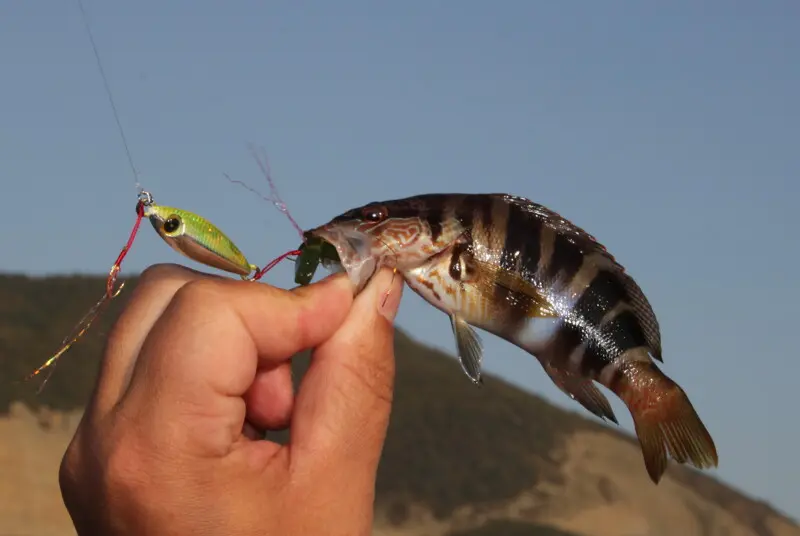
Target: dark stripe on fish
(566, 259)
(496, 233)
(459, 249)
(522, 242)
(434, 216)
(483, 211)
(603, 293)
(531, 254)
(602, 345)
(465, 211)
(568, 337)
(598, 354)
(618, 335)
(512, 308)
(622, 333)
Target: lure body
(518, 270)
(185, 232)
(198, 239)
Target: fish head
(401, 234)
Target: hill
(458, 461)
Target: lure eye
(172, 224)
(374, 213)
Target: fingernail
(389, 298)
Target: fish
(518, 270)
(198, 239)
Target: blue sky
(669, 131)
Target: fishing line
(394, 268)
(144, 204)
(275, 196)
(144, 200)
(275, 199)
(86, 322)
(258, 275)
(110, 96)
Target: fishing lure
(520, 271)
(187, 233)
(313, 252)
(197, 238)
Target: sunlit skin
(195, 368)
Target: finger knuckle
(159, 272)
(198, 293)
(304, 321)
(123, 472)
(69, 468)
(159, 278)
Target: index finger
(156, 287)
(215, 334)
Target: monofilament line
(263, 163)
(110, 97)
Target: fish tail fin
(666, 421)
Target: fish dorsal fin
(470, 349)
(644, 313)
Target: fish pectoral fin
(538, 306)
(583, 391)
(470, 349)
(523, 292)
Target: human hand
(194, 366)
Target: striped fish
(518, 270)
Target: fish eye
(374, 213)
(172, 224)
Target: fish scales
(517, 247)
(518, 270)
(557, 225)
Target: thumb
(344, 400)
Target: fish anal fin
(583, 391)
(665, 421)
(470, 349)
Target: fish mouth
(356, 250)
